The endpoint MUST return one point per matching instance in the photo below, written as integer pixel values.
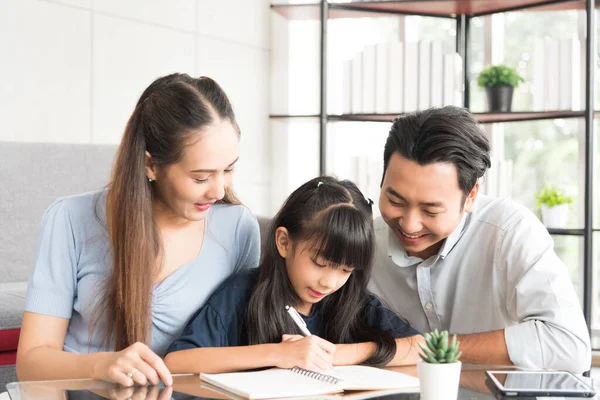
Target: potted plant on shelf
(439, 369)
(499, 82)
(554, 205)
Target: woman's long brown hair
(169, 113)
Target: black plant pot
(499, 98)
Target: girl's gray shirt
(73, 261)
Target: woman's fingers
(118, 375)
(157, 364)
(136, 374)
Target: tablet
(540, 383)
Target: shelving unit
(462, 11)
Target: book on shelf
(296, 382)
(556, 82)
(452, 92)
(411, 76)
(424, 75)
(538, 82)
(396, 77)
(383, 83)
(552, 62)
(357, 75)
(368, 79)
(395, 84)
(438, 51)
(569, 70)
(347, 87)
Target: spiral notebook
(296, 382)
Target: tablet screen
(540, 381)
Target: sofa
(32, 176)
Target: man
(481, 267)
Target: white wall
(72, 70)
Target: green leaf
(551, 196)
(444, 341)
(440, 354)
(431, 346)
(453, 345)
(426, 351)
(496, 75)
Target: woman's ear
(150, 168)
(283, 241)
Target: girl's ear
(282, 241)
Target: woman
(119, 272)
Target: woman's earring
(150, 180)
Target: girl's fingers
(319, 365)
(324, 359)
(326, 346)
(291, 338)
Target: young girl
(317, 258)
(120, 271)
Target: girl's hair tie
(319, 184)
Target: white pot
(555, 217)
(439, 381)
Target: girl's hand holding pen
(311, 352)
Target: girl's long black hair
(336, 219)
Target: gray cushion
(32, 176)
(263, 225)
(12, 304)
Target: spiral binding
(316, 375)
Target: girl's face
(312, 278)
(186, 190)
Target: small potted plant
(499, 82)
(439, 369)
(554, 205)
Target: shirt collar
(454, 236)
(399, 256)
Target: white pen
(298, 320)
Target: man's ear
(283, 241)
(470, 200)
(150, 167)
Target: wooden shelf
(488, 118)
(565, 232)
(484, 118)
(312, 12)
(435, 8)
(293, 116)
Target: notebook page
(369, 378)
(270, 383)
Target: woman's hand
(137, 364)
(311, 352)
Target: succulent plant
(438, 351)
